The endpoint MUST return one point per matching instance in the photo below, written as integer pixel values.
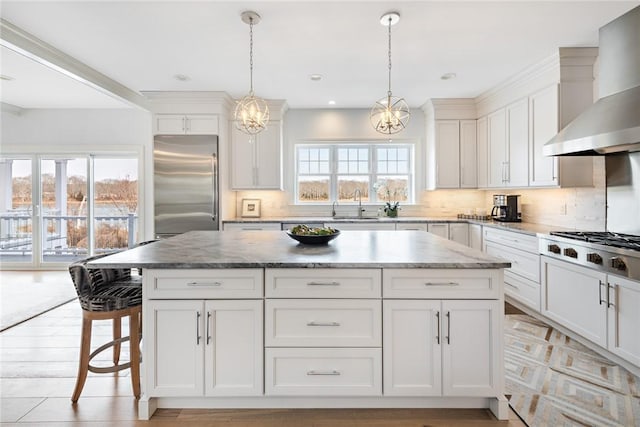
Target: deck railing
(65, 235)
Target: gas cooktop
(606, 238)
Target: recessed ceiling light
(181, 77)
(332, 102)
(6, 78)
(448, 76)
(316, 77)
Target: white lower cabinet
(441, 347)
(459, 232)
(623, 318)
(439, 229)
(204, 347)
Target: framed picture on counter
(250, 208)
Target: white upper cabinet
(256, 162)
(468, 154)
(447, 153)
(482, 151)
(497, 146)
(181, 124)
(517, 160)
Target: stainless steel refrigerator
(185, 183)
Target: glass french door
(55, 209)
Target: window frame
(373, 172)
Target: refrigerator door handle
(215, 186)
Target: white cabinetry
(545, 114)
(522, 280)
(181, 124)
(601, 308)
(420, 226)
(455, 154)
(240, 226)
(459, 232)
(197, 345)
(475, 236)
(256, 161)
(211, 348)
(517, 160)
(428, 343)
(482, 146)
(439, 229)
(364, 225)
(497, 145)
(575, 297)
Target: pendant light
(252, 113)
(390, 114)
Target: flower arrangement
(392, 195)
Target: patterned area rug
(556, 381)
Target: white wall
(55, 130)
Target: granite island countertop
(274, 249)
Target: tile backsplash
(581, 208)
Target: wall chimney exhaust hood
(612, 124)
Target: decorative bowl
(314, 240)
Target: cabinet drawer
(522, 290)
(323, 372)
(317, 283)
(323, 323)
(244, 226)
(523, 263)
(430, 284)
(210, 284)
(512, 239)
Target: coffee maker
(506, 208)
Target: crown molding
(26, 44)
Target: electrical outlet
(563, 209)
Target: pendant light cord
(389, 52)
(251, 56)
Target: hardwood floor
(38, 369)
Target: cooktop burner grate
(618, 240)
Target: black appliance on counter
(506, 208)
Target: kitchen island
(395, 319)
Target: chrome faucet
(357, 195)
(333, 208)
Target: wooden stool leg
(85, 349)
(117, 333)
(134, 350)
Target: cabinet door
(447, 154)
(422, 226)
(242, 166)
(517, 167)
(233, 348)
(624, 318)
(471, 343)
(475, 236)
(543, 112)
(497, 138)
(575, 297)
(170, 124)
(468, 156)
(482, 142)
(269, 158)
(459, 233)
(412, 348)
(174, 341)
(441, 230)
(204, 124)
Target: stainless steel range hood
(612, 124)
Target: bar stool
(108, 293)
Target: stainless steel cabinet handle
(609, 303)
(448, 327)
(184, 124)
(600, 285)
(438, 328)
(313, 323)
(332, 372)
(204, 284)
(197, 328)
(323, 284)
(208, 324)
(442, 284)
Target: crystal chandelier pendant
(390, 114)
(252, 113)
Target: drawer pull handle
(204, 284)
(323, 284)
(442, 284)
(438, 329)
(313, 323)
(448, 327)
(332, 372)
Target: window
(335, 172)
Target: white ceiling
(143, 44)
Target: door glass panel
(64, 209)
(115, 203)
(16, 210)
